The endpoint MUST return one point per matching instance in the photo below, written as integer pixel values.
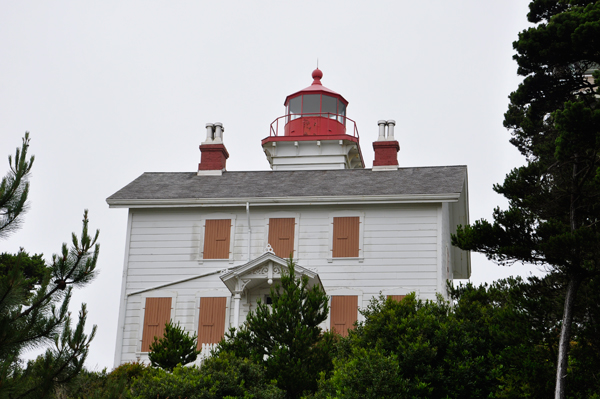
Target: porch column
(236, 309)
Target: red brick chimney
(213, 154)
(386, 148)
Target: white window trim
(212, 294)
(282, 215)
(344, 292)
(216, 216)
(152, 294)
(361, 233)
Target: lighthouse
(315, 132)
(204, 247)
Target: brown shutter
(211, 321)
(345, 237)
(344, 312)
(281, 236)
(157, 313)
(216, 238)
(396, 297)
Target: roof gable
(266, 268)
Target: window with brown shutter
(281, 236)
(345, 237)
(216, 238)
(211, 320)
(344, 312)
(156, 314)
(396, 297)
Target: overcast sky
(112, 89)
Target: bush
(103, 385)
(481, 347)
(368, 374)
(175, 347)
(221, 376)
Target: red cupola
(314, 133)
(315, 111)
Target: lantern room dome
(316, 87)
(315, 110)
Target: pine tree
(553, 214)
(285, 336)
(34, 300)
(14, 189)
(175, 347)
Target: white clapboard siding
(165, 230)
(181, 237)
(399, 252)
(165, 244)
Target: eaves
(269, 201)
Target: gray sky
(112, 89)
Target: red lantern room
(314, 133)
(315, 111)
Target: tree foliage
(221, 376)
(102, 384)
(34, 300)
(14, 189)
(285, 337)
(175, 347)
(495, 341)
(554, 118)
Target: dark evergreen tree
(492, 341)
(175, 347)
(285, 336)
(14, 189)
(553, 212)
(34, 300)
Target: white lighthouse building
(202, 247)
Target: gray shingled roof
(314, 183)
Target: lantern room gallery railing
(348, 125)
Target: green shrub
(368, 374)
(103, 385)
(175, 347)
(221, 376)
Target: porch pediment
(267, 268)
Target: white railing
(205, 350)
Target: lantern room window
(329, 106)
(341, 112)
(311, 104)
(295, 108)
(316, 105)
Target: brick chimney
(213, 154)
(386, 147)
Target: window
(295, 107)
(281, 236)
(311, 104)
(346, 231)
(329, 106)
(344, 312)
(341, 113)
(216, 238)
(211, 320)
(396, 297)
(157, 313)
